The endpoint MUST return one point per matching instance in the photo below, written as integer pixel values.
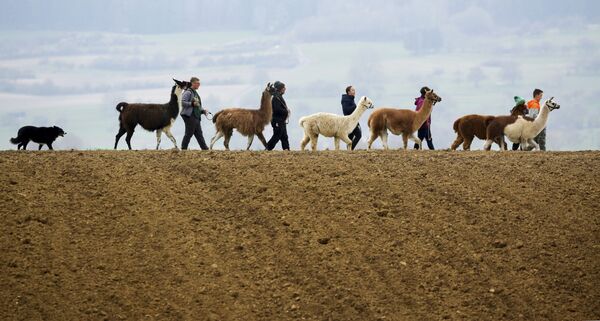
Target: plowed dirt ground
(167, 235)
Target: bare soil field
(172, 235)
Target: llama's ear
(551, 98)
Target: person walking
(191, 112)
(518, 101)
(348, 107)
(534, 110)
(424, 132)
(279, 120)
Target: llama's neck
(174, 105)
(355, 116)
(540, 121)
(422, 114)
(266, 106)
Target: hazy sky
(68, 63)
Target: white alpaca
(332, 125)
(524, 131)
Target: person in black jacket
(279, 120)
(348, 107)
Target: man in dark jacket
(348, 107)
(279, 119)
(191, 112)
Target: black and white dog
(40, 135)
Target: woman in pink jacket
(424, 132)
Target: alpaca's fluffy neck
(540, 121)
(353, 118)
(423, 113)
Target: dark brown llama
(152, 117)
(495, 129)
(471, 126)
(248, 122)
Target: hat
(519, 101)
(278, 85)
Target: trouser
(541, 139)
(355, 136)
(279, 134)
(192, 128)
(424, 133)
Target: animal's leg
(128, 138)
(532, 141)
(348, 142)
(217, 136)
(262, 139)
(171, 137)
(313, 142)
(25, 145)
(405, 141)
(459, 140)
(336, 142)
(19, 146)
(371, 140)
(121, 132)
(250, 139)
(384, 139)
(305, 141)
(158, 136)
(40, 148)
(488, 144)
(227, 138)
(50, 146)
(467, 143)
(416, 140)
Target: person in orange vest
(534, 110)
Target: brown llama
(248, 122)
(471, 126)
(495, 129)
(152, 117)
(403, 122)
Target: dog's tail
(15, 140)
(121, 106)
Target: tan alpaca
(403, 122)
(248, 122)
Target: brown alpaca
(470, 126)
(495, 129)
(403, 122)
(248, 122)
